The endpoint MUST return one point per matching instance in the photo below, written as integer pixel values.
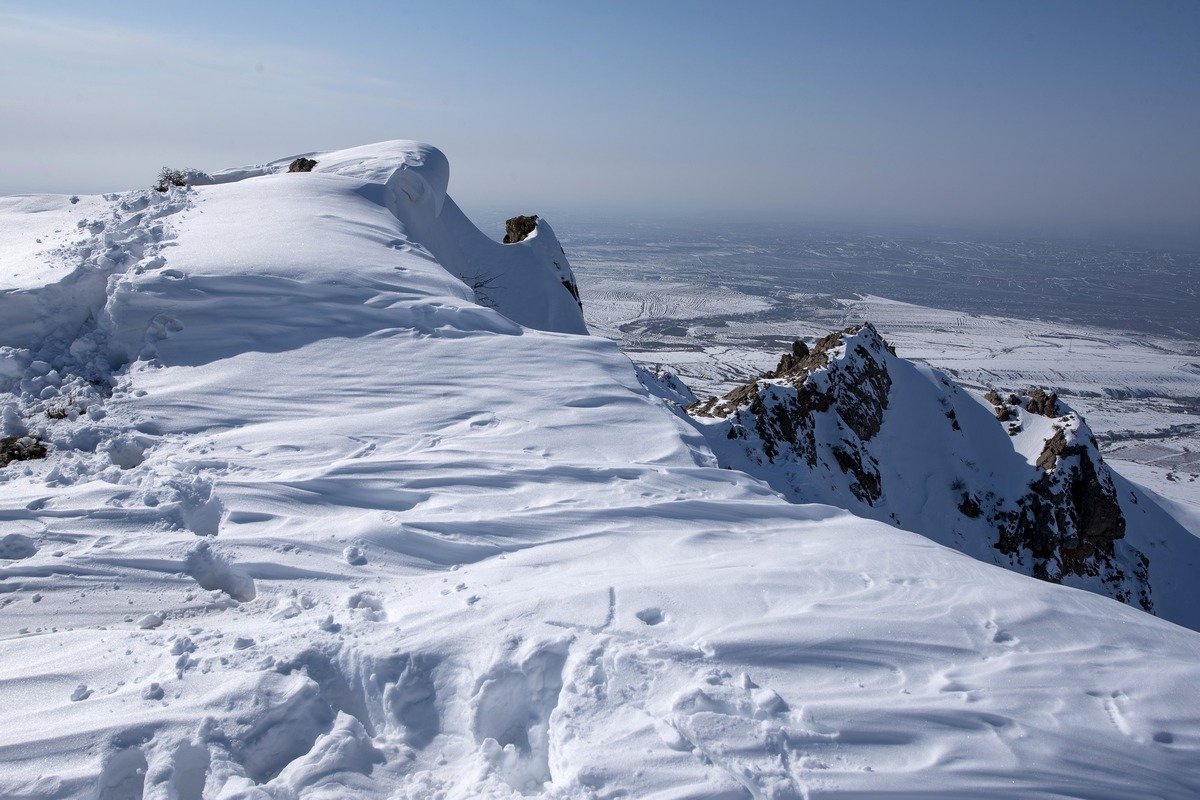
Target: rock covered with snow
(663, 383)
(848, 422)
(518, 228)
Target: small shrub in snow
(20, 448)
(480, 283)
(168, 177)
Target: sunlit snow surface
(340, 531)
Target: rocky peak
(1071, 520)
(302, 164)
(517, 228)
(847, 422)
(1036, 401)
(778, 414)
(1042, 403)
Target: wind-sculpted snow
(324, 526)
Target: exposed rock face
(20, 448)
(1024, 487)
(302, 165)
(1071, 520)
(1035, 401)
(1042, 403)
(782, 406)
(519, 227)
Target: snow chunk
(16, 546)
(213, 571)
(150, 621)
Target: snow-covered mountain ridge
(1017, 480)
(314, 522)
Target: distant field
(1149, 291)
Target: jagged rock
(1056, 445)
(1072, 519)
(811, 428)
(302, 165)
(781, 405)
(20, 448)
(793, 361)
(1043, 403)
(519, 227)
(1000, 405)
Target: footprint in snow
(651, 616)
(367, 605)
(1113, 706)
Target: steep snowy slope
(1013, 480)
(312, 523)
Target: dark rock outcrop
(20, 448)
(1043, 403)
(1071, 520)
(302, 165)
(968, 506)
(783, 415)
(519, 227)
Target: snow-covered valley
(322, 493)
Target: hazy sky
(1059, 114)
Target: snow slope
(316, 524)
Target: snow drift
(312, 522)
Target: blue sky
(1050, 115)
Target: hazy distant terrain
(1150, 291)
(1117, 331)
